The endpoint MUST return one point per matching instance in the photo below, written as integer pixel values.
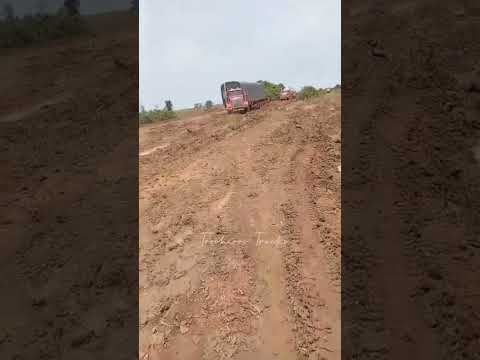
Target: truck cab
(236, 100)
(242, 96)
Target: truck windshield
(232, 85)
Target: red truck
(242, 96)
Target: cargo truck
(242, 96)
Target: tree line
(40, 26)
(43, 24)
(273, 90)
(69, 7)
(208, 105)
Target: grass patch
(151, 116)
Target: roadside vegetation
(40, 27)
(272, 90)
(308, 92)
(151, 116)
(43, 25)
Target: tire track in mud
(380, 276)
(312, 253)
(194, 145)
(216, 270)
(393, 275)
(231, 297)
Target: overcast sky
(189, 47)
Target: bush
(147, 117)
(39, 28)
(309, 92)
(208, 104)
(272, 90)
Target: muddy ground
(240, 234)
(68, 209)
(410, 190)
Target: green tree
(209, 104)
(168, 105)
(272, 90)
(308, 92)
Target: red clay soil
(66, 260)
(411, 190)
(240, 234)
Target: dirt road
(240, 234)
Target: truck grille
(237, 103)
